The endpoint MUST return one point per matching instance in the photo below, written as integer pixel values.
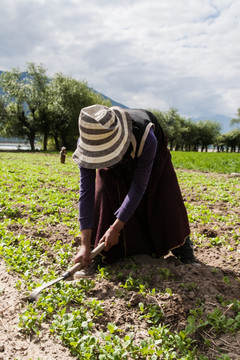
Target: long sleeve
(140, 179)
(86, 199)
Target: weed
(165, 274)
(217, 321)
(134, 284)
(151, 312)
(189, 287)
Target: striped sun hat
(104, 136)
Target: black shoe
(185, 252)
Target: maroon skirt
(160, 222)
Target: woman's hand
(83, 255)
(111, 236)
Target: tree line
(35, 107)
(188, 135)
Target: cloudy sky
(141, 53)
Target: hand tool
(78, 266)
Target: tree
(66, 97)
(34, 105)
(181, 133)
(232, 140)
(25, 94)
(189, 135)
(207, 133)
(160, 118)
(171, 123)
(220, 142)
(3, 116)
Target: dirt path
(14, 345)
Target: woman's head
(104, 136)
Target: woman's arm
(84, 252)
(86, 199)
(86, 214)
(140, 179)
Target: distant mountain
(114, 103)
(221, 119)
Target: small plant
(96, 308)
(169, 291)
(226, 280)
(151, 312)
(104, 272)
(189, 287)
(30, 320)
(72, 327)
(217, 321)
(224, 357)
(134, 284)
(165, 274)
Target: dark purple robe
(160, 222)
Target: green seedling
(151, 312)
(165, 274)
(189, 287)
(226, 280)
(134, 284)
(104, 272)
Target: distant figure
(63, 154)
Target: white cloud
(142, 53)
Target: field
(139, 308)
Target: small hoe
(34, 294)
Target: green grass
(224, 163)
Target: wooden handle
(97, 250)
(78, 266)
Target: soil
(215, 264)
